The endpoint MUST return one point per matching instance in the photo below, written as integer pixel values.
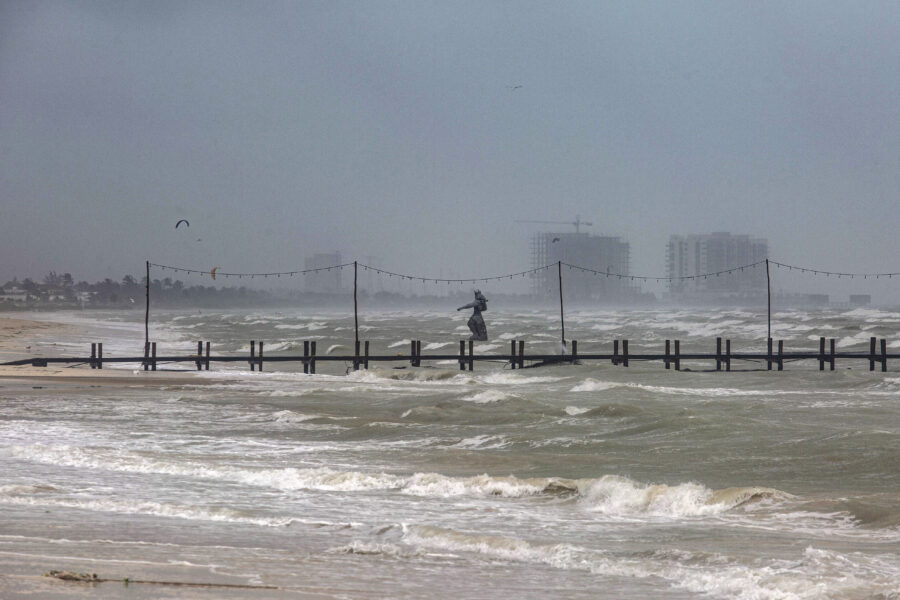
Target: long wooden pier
(775, 356)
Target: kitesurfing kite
(213, 272)
(185, 221)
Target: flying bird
(513, 87)
(185, 221)
(213, 272)
(554, 240)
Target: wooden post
(199, 355)
(355, 316)
(152, 356)
(718, 354)
(666, 359)
(832, 354)
(146, 356)
(412, 353)
(562, 319)
(512, 354)
(93, 355)
(624, 353)
(252, 355)
(677, 355)
(147, 310)
(781, 355)
(615, 358)
(471, 354)
(769, 353)
(522, 352)
(207, 356)
(312, 355)
(418, 353)
(260, 363)
(769, 295)
(727, 355)
(883, 355)
(462, 355)
(356, 356)
(366, 360)
(871, 354)
(99, 355)
(306, 356)
(821, 353)
(574, 351)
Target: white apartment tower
(693, 255)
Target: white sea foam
(481, 348)
(512, 336)
(606, 326)
(482, 442)
(437, 345)
(289, 416)
(162, 509)
(818, 573)
(312, 326)
(509, 378)
(621, 497)
(289, 478)
(291, 393)
(436, 485)
(576, 410)
(400, 343)
(374, 548)
(488, 397)
(593, 385)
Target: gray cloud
(393, 129)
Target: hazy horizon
(418, 134)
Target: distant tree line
(61, 291)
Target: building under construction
(602, 253)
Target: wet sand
(18, 336)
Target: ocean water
(584, 481)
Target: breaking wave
(609, 495)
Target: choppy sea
(584, 481)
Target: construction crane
(577, 223)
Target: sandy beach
(27, 337)
(24, 576)
(16, 333)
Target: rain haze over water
(418, 133)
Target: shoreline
(19, 335)
(111, 377)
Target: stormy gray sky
(398, 130)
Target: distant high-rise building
(324, 281)
(601, 253)
(692, 255)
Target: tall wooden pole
(769, 293)
(147, 310)
(355, 313)
(562, 319)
